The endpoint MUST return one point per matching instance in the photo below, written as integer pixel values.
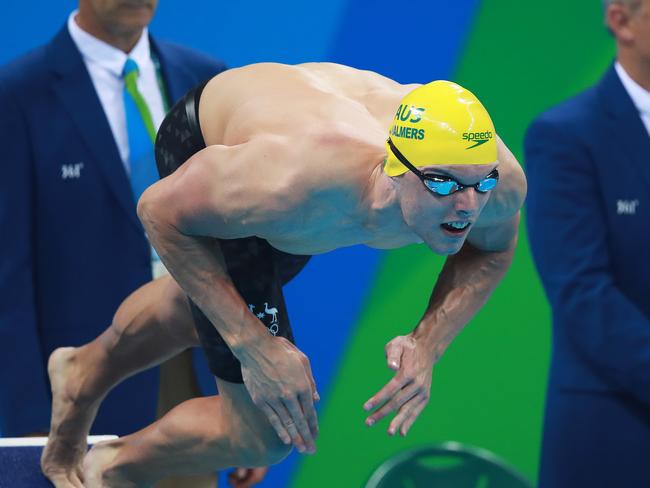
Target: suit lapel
(625, 124)
(177, 78)
(75, 89)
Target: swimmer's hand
(280, 382)
(409, 390)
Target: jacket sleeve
(567, 228)
(24, 390)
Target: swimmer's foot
(98, 470)
(73, 412)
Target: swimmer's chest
(317, 224)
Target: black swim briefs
(258, 270)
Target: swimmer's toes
(97, 470)
(61, 462)
(62, 479)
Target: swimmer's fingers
(394, 350)
(394, 403)
(407, 414)
(287, 426)
(415, 370)
(310, 375)
(65, 480)
(276, 423)
(388, 391)
(307, 401)
(297, 424)
(308, 408)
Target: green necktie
(141, 132)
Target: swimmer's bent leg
(199, 435)
(151, 325)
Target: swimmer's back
(281, 99)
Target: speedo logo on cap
(477, 137)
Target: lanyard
(161, 82)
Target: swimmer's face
(443, 222)
(120, 16)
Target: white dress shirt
(639, 95)
(105, 64)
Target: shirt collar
(107, 56)
(639, 95)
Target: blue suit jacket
(588, 166)
(71, 245)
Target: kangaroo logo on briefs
(477, 137)
(274, 327)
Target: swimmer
(261, 168)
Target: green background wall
(488, 390)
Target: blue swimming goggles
(444, 185)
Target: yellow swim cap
(441, 123)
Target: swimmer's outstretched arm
(464, 285)
(183, 214)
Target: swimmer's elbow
(509, 235)
(153, 212)
(146, 210)
(144, 206)
(522, 189)
(497, 238)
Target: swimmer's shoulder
(327, 77)
(245, 78)
(264, 186)
(264, 97)
(234, 191)
(359, 84)
(379, 94)
(508, 197)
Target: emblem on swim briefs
(71, 171)
(626, 207)
(273, 312)
(274, 326)
(477, 138)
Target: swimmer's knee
(269, 450)
(257, 441)
(276, 450)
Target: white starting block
(20, 461)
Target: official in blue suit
(71, 245)
(588, 164)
